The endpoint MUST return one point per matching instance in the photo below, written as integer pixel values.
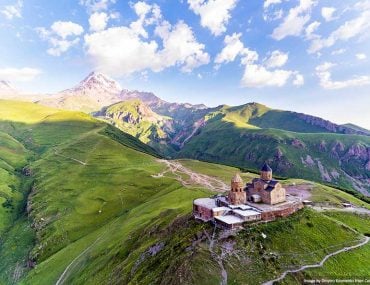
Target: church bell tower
(237, 194)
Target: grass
(220, 171)
(349, 265)
(301, 239)
(228, 139)
(335, 197)
(72, 204)
(95, 206)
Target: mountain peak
(98, 81)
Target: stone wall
(274, 214)
(202, 213)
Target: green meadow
(81, 204)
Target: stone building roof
(266, 168)
(270, 184)
(206, 203)
(237, 179)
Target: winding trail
(70, 266)
(356, 210)
(71, 158)
(177, 169)
(283, 275)
(64, 274)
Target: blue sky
(303, 55)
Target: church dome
(237, 179)
(266, 168)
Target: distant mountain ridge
(295, 144)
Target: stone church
(237, 195)
(265, 189)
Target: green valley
(246, 136)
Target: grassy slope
(72, 203)
(228, 138)
(301, 239)
(350, 265)
(107, 214)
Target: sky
(302, 55)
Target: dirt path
(356, 210)
(71, 158)
(64, 274)
(283, 275)
(63, 277)
(303, 191)
(194, 178)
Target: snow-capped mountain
(96, 83)
(98, 90)
(91, 94)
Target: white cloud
(120, 51)
(277, 59)
(60, 46)
(19, 74)
(233, 48)
(361, 56)
(124, 50)
(96, 5)
(65, 29)
(328, 13)
(258, 76)
(147, 15)
(13, 11)
(350, 29)
(272, 14)
(299, 80)
(255, 74)
(268, 3)
(214, 14)
(324, 74)
(293, 24)
(61, 36)
(181, 48)
(338, 51)
(363, 5)
(98, 21)
(311, 29)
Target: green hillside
(90, 183)
(296, 145)
(245, 136)
(88, 206)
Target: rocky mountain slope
(136, 118)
